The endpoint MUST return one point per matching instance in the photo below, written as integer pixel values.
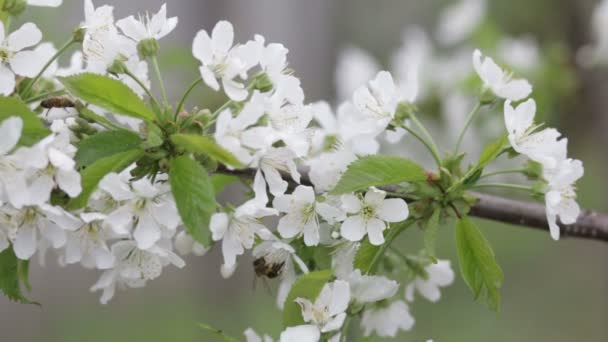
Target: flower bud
(148, 48)
(404, 111)
(79, 34)
(262, 83)
(117, 67)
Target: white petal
(25, 242)
(133, 28)
(201, 48)
(351, 203)
(209, 78)
(353, 228)
(290, 225)
(218, 225)
(301, 333)
(25, 36)
(375, 228)
(120, 220)
(69, 181)
(393, 210)
(147, 232)
(7, 80)
(222, 37)
(10, 132)
(27, 63)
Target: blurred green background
(554, 291)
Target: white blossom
(302, 214)
(438, 275)
(301, 333)
(328, 311)
(155, 27)
(88, 244)
(146, 210)
(387, 321)
(370, 214)
(560, 199)
(377, 102)
(220, 60)
(14, 60)
(134, 267)
(500, 82)
(369, 289)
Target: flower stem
(344, 330)
(502, 186)
(186, 94)
(160, 81)
(429, 138)
(502, 172)
(45, 95)
(428, 145)
(28, 88)
(470, 118)
(143, 86)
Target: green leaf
(478, 265)
(108, 93)
(105, 144)
(94, 173)
(365, 256)
(200, 144)
(430, 233)
(377, 171)
(33, 128)
(221, 181)
(194, 196)
(492, 151)
(307, 286)
(12, 273)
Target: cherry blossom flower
(543, 146)
(560, 200)
(327, 313)
(239, 229)
(499, 81)
(370, 214)
(378, 101)
(301, 333)
(438, 275)
(369, 289)
(134, 267)
(88, 244)
(14, 60)
(387, 321)
(146, 209)
(302, 214)
(155, 27)
(220, 60)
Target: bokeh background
(554, 291)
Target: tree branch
(590, 224)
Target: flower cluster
(114, 180)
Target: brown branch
(590, 224)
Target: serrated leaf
(93, 174)
(33, 128)
(478, 265)
(12, 273)
(108, 93)
(221, 181)
(307, 286)
(194, 197)
(377, 171)
(430, 233)
(200, 144)
(492, 150)
(104, 144)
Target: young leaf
(12, 273)
(94, 173)
(108, 93)
(430, 232)
(377, 171)
(200, 144)
(33, 129)
(307, 286)
(478, 265)
(492, 151)
(194, 196)
(104, 144)
(221, 181)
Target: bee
(268, 270)
(57, 102)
